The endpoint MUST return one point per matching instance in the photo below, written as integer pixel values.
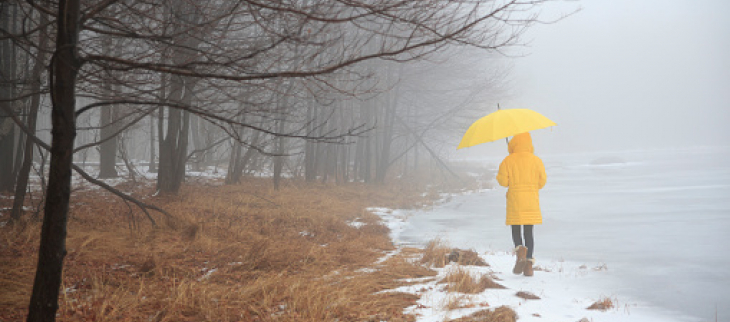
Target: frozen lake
(659, 220)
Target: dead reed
(462, 281)
(603, 304)
(500, 314)
(232, 253)
(436, 254)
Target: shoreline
(566, 288)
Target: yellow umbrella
(502, 124)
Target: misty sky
(626, 74)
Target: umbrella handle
(505, 139)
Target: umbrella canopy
(502, 124)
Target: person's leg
(517, 235)
(520, 250)
(530, 243)
(529, 240)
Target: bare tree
(64, 68)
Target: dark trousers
(529, 240)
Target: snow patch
(356, 223)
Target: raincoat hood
(521, 143)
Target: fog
(624, 75)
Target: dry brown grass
(466, 257)
(436, 254)
(527, 295)
(462, 281)
(457, 301)
(233, 253)
(603, 304)
(500, 314)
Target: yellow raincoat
(524, 174)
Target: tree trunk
(108, 148)
(152, 165)
(160, 120)
(250, 153)
(168, 179)
(174, 146)
(20, 105)
(391, 103)
(7, 127)
(368, 143)
(279, 158)
(358, 159)
(123, 155)
(234, 171)
(196, 132)
(161, 123)
(383, 162)
(310, 169)
(35, 101)
(44, 298)
(108, 127)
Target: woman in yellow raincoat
(524, 174)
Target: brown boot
(528, 267)
(521, 252)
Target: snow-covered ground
(647, 229)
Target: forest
(285, 92)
